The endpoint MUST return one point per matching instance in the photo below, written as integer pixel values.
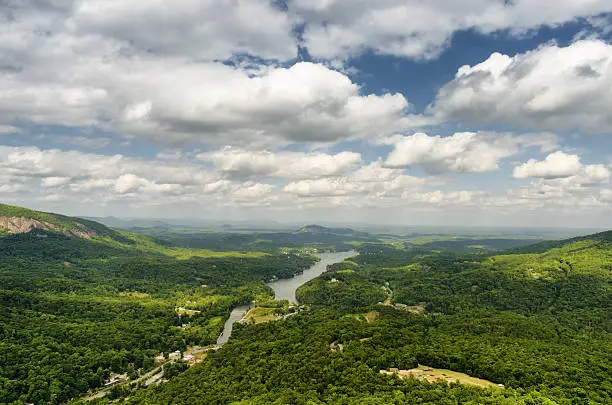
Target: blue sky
(480, 112)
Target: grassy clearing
(433, 375)
(371, 316)
(260, 315)
(188, 312)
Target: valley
(386, 321)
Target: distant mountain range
(406, 230)
(18, 220)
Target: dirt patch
(188, 312)
(433, 375)
(415, 309)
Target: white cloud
(172, 101)
(215, 103)
(201, 29)
(158, 76)
(421, 29)
(556, 165)
(84, 177)
(556, 193)
(371, 181)
(40, 178)
(564, 167)
(462, 152)
(593, 175)
(243, 163)
(549, 88)
(561, 182)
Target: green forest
(538, 323)
(535, 321)
(74, 310)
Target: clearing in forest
(260, 315)
(371, 316)
(433, 375)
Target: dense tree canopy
(539, 324)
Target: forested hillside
(81, 303)
(539, 324)
(78, 306)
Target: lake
(284, 289)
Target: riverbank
(284, 289)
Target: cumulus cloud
(179, 102)
(243, 163)
(422, 29)
(552, 194)
(554, 166)
(304, 103)
(561, 181)
(73, 179)
(194, 29)
(372, 180)
(84, 177)
(466, 152)
(566, 167)
(549, 88)
(99, 66)
(202, 29)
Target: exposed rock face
(21, 225)
(24, 225)
(81, 231)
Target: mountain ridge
(17, 220)
(541, 247)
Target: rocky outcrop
(21, 225)
(25, 225)
(81, 231)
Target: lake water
(285, 289)
(235, 316)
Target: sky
(402, 112)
